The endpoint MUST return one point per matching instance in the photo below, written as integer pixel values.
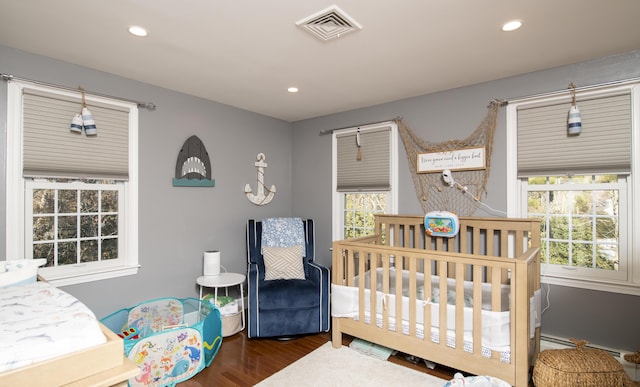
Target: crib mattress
(496, 325)
(39, 321)
(505, 352)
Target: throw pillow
(283, 263)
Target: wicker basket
(231, 324)
(578, 367)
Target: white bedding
(505, 352)
(40, 322)
(495, 332)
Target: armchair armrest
(318, 273)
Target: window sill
(612, 287)
(82, 275)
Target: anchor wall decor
(260, 198)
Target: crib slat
(490, 242)
(361, 284)
(386, 268)
(504, 252)
(442, 273)
(477, 309)
(373, 295)
(413, 292)
(476, 241)
(428, 296)
(464, 242)
(399, 266)
(459, 273)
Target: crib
(479, 293)
(169, 339)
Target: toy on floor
(131, 333)
(170, 339)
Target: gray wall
(603, 318)
(176, 224)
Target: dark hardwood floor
(244, 362)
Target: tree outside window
(359, 213)
(579, 220)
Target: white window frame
(626, 283)
(584, 273)
(16, 212)
(337, 202)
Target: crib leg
(336, 335)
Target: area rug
(328, 366)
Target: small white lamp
(211, 264)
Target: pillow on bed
(283, 263)
(19, 272)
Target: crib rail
(488, 253)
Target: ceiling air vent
(329, 23)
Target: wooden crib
(498, 261)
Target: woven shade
(603, 147)
(372, 171)
(51, 150)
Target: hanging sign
(455, 160)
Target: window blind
(50, 149)
(604, 146)
(372, 171)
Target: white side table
(224, 280)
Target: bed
(481, 286)
(40, 322)
(48, 337)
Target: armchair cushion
(283, 263)
(289, 295)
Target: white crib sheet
(39, 321)
(505, 352)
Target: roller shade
(372, 171)
(604, 146)
(51, 150)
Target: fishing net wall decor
(464, 197)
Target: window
(581, 218)
(582, 188)
(365, 178)
(71, 198)
(359, 212)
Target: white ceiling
(247, 53)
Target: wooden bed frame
(492, 251)
(99, 366)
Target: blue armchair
(286, 307)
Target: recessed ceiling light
(292, 90)
(138, 31)
(512, 25)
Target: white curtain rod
(330, 131)
(147, 105)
